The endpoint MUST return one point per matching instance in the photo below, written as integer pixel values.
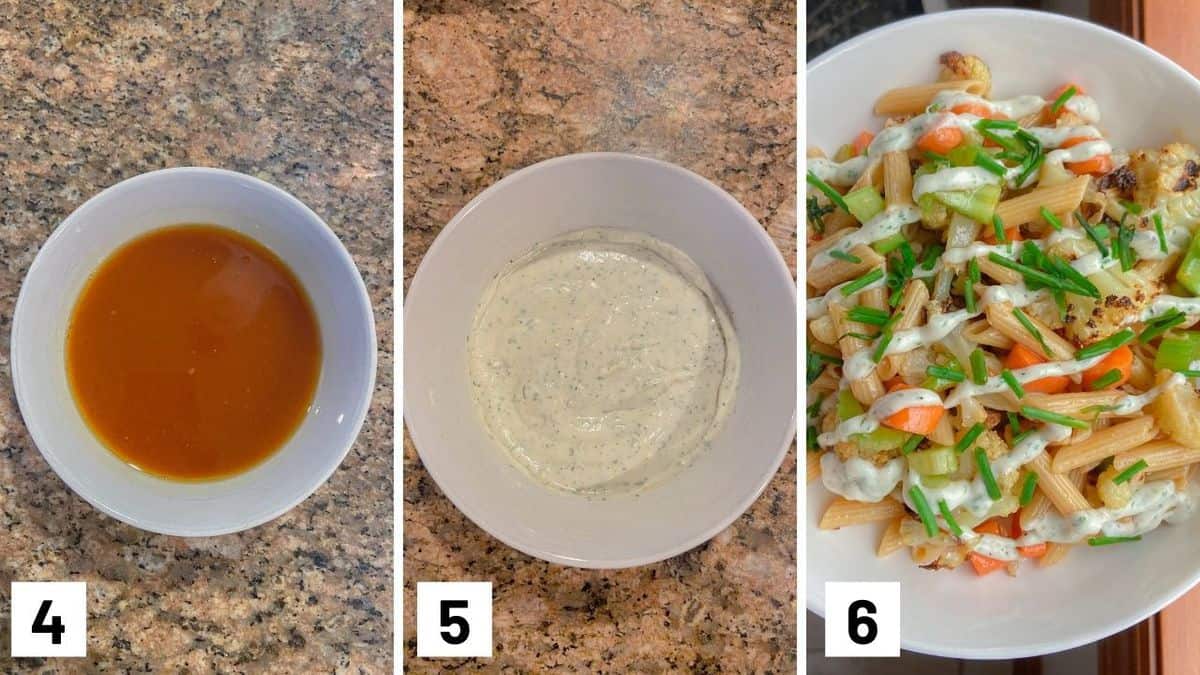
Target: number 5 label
(49, 618)
(862, 618)
(454, 618)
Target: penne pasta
(1073, 403)
(865, 389)
(1001, 316)
(1159, 455)
(897, 179)
(1064, 198)
(1054, 554)
(837, 271)
(1106, 443)
(1059, 488)
(1001, 275)
(813, 470)
(842, 512)
(890, 541)
(915, 99)
(982, 332)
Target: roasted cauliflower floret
(959, 66)
(1162, 174)
(1123, 295)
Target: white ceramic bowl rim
(485, 520)
(355, 416)
(1050, 643)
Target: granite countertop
(299, 94)
(491, 88)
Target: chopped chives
(1027, 488)
(1026, 271)
(936, 157)
(985, 161)
(1052, 219)
(1162, 324)
(1014, 423)
(1033, 158)
(969, 294)
(1011, 381)
(1071, 279)
(832, 194)
(861, 336)
(1033, 330)
(1189, 373)
(1132, 471)
(1005, 142)
(816, 364)
(1106, 345)
(973, 270)
(998, 226)
(969, 437)
(979, 373)
(1092, 234)
(985, 471)
(1062, 99)
(918, 498)
(842, 255)
(1132, 207)
(862, 282)
(868, 315)
(1158, 229)
(951, 523)
(1104, 541)
(1106, 379)
(881, 346)
(911, 444)
(929, 259)
(987, 124)
(1124, 246)
(1052, 417)
(944, 373)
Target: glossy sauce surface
(193, 352)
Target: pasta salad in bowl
(1003, 330)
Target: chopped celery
(935, 482)
(934, 461)
(1178, 350)
(880, 440)
(978, 204)
(964, 155)
(888, 244)
(865, 203)
(1188, 274)
(938, 384)
(934, 214)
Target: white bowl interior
(297, 236)
(570, 193)
(1144, 100)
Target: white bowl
(1144, 100)
(532, 205)
(296, 235)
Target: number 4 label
(454, 618)
(49, 618)
(862, 618)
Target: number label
(454, 618)
(54, 628)
(862, 618)
(463, 631)
(49, 619)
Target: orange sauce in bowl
(193, 352)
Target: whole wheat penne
(813, 471)
(1114, 440)
(1159, 455)
(1142, 372)
(897, 179)
(1041, 503)
(842, 512)
(1178, 474)
(827, 382)
(1059, 488)
(1063, 198)
(1055, 552)
(824, 244)
(1000, 315)
(915, 99)
(911, 309)
(836, 271)
(1001, 275)
(982, 332)
(890, 541)
(821, 329)
(865, 389)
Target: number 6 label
(862, 618)
(454, 618)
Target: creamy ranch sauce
(602, 360)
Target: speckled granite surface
(493, 87)
(300, 94)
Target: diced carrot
(915, 420)
(861, 141)
(1096, 166)
(984, 565)
(997, 526)
(1079, 91)
(1031, 551)
(1120, 359)
(941, 140)
(1022, 357)
(977, 109)
(1010, 233)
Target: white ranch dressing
(996, 384)
(859, 479)
(1150, 505)
(1161, 304)
(602, 361)
(1013, 108)
(887, 223)
(885, 406)
(818, 307)
(844, 174)
(859, 364)
(1133, 403)
(953, 179)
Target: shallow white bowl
(1144, 100)
(296, 235)
(532, 205)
